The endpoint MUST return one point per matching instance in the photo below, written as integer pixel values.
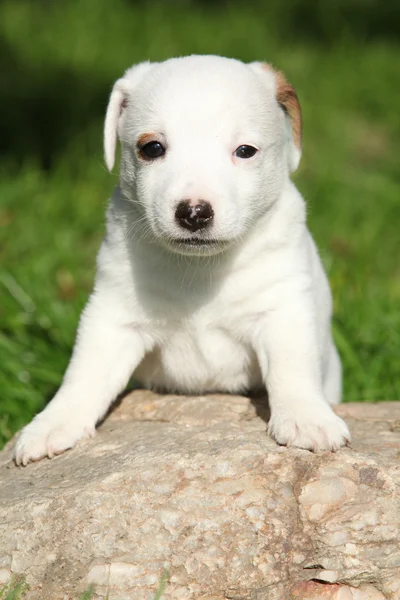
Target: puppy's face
(205, 148)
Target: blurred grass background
(58, 60)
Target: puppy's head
(207, 144)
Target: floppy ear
(119, 100)
(286, 97)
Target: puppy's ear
(119, 100)
(286, 97)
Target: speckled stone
(194, 488)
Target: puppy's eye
(152, 150)
(245, 151)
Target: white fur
(252, 310)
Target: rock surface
(194, 488)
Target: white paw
(48, 437)
(313, 428)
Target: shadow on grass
(45, 109)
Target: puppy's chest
(198, 357)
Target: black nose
(194, 216)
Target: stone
(192, 490)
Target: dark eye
(152, 150)
(245, 151)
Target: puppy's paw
(314, 428)
(48, 437)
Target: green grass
(162, 585)
(88, 594)
(13, 591)
(17, 591)
(58, 63)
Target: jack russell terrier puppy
(208, 279)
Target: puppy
(207, 279)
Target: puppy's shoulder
(113, 253)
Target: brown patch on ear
(145, 138)
(287, 98)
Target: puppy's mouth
(197, 245)
(197, 242)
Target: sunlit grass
(13, 591)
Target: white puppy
(207, 279)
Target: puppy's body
(202, 317)
(231, 301)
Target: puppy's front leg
(106, 352)
(291, 363)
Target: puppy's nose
(194, 216)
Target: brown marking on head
(145, 138)
(287, 98)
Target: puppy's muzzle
(194, 216)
